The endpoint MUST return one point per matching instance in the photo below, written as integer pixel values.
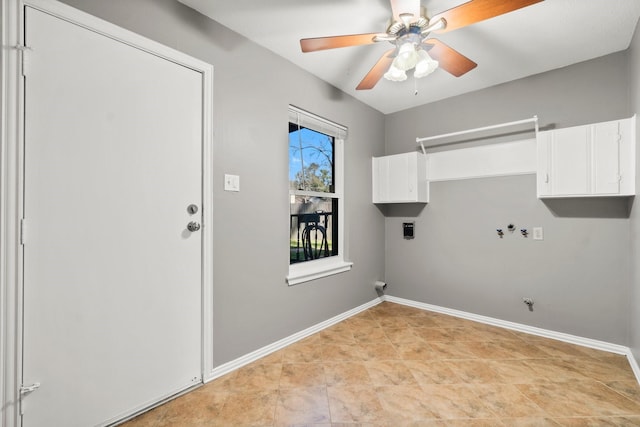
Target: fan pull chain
(415, 86)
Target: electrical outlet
(537, 233)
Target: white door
(112, 275)
(570, 161)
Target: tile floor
(394, 365)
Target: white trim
(311, 270)
(10, 212)
(11, 189)
(634, 364)
(559, 336)
(279, 345)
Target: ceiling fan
(409, 31)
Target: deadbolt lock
(192, 209)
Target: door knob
(193, 226)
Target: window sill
(311, 270)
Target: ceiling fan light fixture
(395, 74)
(407, 57)
(425, 66)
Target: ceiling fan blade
(378, 70)
(478, 10)
(399, 7)
(450, 59)
(322, 43)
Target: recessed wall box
(408, 229)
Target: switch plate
(231, 182)
(537, 233)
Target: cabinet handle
(546, 178)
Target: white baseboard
(278, 345)
(560, 336)
(634, 364)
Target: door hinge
(24, 59)
(24, 390)
(23, 231)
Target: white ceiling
(538, 38)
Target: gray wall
(578, 275)
(634, 66)
(253, 306)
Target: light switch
(231, 182)
(537, 233)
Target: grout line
(546, 333)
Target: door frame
(12, 183)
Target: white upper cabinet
(400, 178)
(587, 161)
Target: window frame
(311, 270)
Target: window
(316, 202)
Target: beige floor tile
(341, 353)
(517, 372)
(418, 350)
(397, 335)
(603, 370)
(455, 401)
(378, 351)
(355, 404)
(474, 371)
(506, 401)
(599, 422)
(491, 422)
(529, 422)
(257, 377)
(405, 403)
(432, 372)
(452, 350)
(398, 366)
(374, 334)
(421, 322)
(248, 409)
(296, 375)
(437, 334)
(346, 373)
(557, 369)
(389, 372)
(628, 388)
(579, 398)
(303, 352)
(302, 406)
(338, 335)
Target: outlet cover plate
(538, 233)
(231, 182)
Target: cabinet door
(570, 158)
(543, 173)
(380, 167)
(399, 187)
(606, 154)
